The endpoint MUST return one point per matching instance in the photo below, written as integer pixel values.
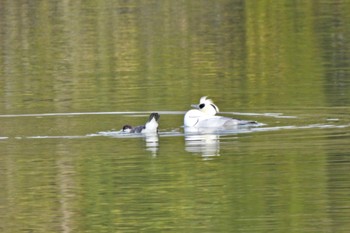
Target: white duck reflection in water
(206, 144)
(206, 141)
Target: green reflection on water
(103, 55)
(108, 184)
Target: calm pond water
(73, 72)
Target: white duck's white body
(195, 118)
(205, 116)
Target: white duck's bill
(196, 106)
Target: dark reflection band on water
(86, 113)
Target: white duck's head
(206, 106)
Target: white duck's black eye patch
(201, 106)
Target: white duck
(203, 116)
